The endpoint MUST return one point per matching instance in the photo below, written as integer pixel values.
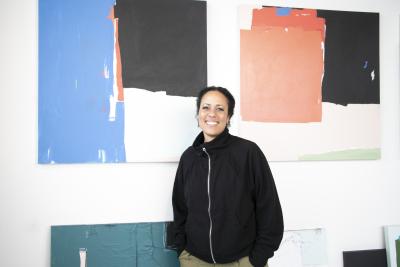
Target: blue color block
(283, 11)
(76, 44)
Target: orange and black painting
(312, 70)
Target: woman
(226, 207)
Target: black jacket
(225, 202)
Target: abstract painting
(301, 248)
(392, 240)
(130, 244)
(309, 82)
(113, 75)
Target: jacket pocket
(246, 220)
(245, 214)
(197, 233)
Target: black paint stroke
(351, 54)
(163, 45)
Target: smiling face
(213, 114)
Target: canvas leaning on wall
(365, 258)
(392, 241)
(301, 248)
(104, 245)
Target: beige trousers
(188, 260)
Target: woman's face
(213, 114)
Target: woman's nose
(211, 112)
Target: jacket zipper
(209, 202)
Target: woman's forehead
(214, 97)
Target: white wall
(351, 199)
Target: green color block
(351, 154)
(113, 245)
(398, 251)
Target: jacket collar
(218, 142)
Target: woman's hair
(222, 90)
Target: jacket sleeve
(269, 219)
(180, 210)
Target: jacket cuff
(257, 262)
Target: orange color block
(118, 57)
(299, 18)
(281, 70)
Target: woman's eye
(220, 109)
(205, 108)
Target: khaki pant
(188, 260)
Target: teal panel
(112, 245)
